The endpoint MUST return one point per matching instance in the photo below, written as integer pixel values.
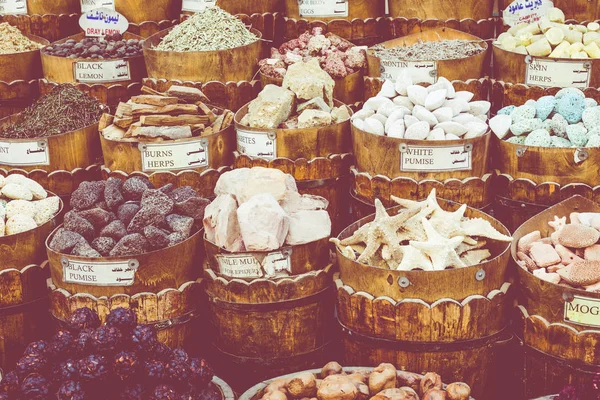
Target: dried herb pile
(431, 51)
(13, 41)
(64, 109)
(209, 30)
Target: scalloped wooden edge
(368, 176)
(38, 24)
(277, 282)
(151, 27)
(339, 165)
(110, 95)
(52, 180)
(20, 87)
(32, 278)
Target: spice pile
(551, 37)
(108, 47)
(570, 256)
(422, 236)
(305, 100)
(119, 360)
(407, 111)
(115, 218)
(338, 57)
(381, 383)
(13, 41)
(24, 205)
(209, 30)
(567, 119)
(431, 51)
(260, 209)
(64, 109)
(179, 113)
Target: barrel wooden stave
(17, 95)
(431, 9)
(250, 7)
(25, 66)
(361, 9)
(138, 11)
(146, 29)
(42, 7)
(396, 27)
(49, 26)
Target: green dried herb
(63, 110)
(431, 51)
(209, 30)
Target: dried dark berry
(178, 371)
(83, 342)
(38, 348)
(5, 396)
(10, 382)
(134, 187)
(132, 392)
(66, 371)
(107, 339)
(202, 373)
(35, 387)
(122, 318)
(125, 365)
(62, 344)
(144, 338)
(31, 364)
(84, 318)
(181, 355)
(211, 393)
(154, 370)
(93, 368)
(165, 392)
(161, 352)
(71, 390)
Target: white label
(551, 72)
(15, 7)
(430, 158)
(323, 8)
(174, 156)
(257, 144)
(420, 71)
(101, 71)
(250, 266)
(583, 311)
(24, 153)
(103, 21)
(121, 273)
(526, 11)
(88, 5)
(197, 5)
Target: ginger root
(382, 377)
(337, 387)
(430, 380)
(302, 385)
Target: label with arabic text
(197, 5)
(89, 5)
(323, 8)
(249, 266)
(526, 11)
(551, 72)
(118, 273)
(257, 144)
(24, 153)
(420, 71)
(13, 7)
(174, 156)
(583, 311)
(101, 71)
(103, 21)
(434, 158)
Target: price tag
(552, 72)
(197, 5)
(434, 158)
(250, 266)
(103, 21)
(89, 5)
(257, 144)
(174, 156)
(14, 7)
(24, 153)
(101, 71)
(323, 8)
(420, 71)
(583, 311)
(118, 273)
(526, 11)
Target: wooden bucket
(138, 11)
(256, 392)
(558, 352)
(23, 66)
(402, 26)
(460, 69)
(148, 28)
(49, 26)
(16, 96)
(268, 327)
(170, 310)
(235, 65)
(149, 272)
(453, 315)
(42, 7)
(447, 9)
(348, 10)
(361, 32)
(236, 7)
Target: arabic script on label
(526, 11)
(583, 311)
(103, 21)
(197, 5)
(99, 273)
(558, 73)
(88, 5)
(24, 153)
(323, 8)
(256, 144)
(420, 71)
(175, 156)
(250, 266)
(101, 71)
(13, 7)
(430, 158)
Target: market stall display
(330, 10)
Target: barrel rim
(52, 221)
(37, 39)
(221, 250)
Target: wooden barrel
(138, 11)
(257, 391)
(445, 321)
(558, 351)
(235, 7)
(148, 28)
(318, 158)
(361, 32)
(397, 27)
(106, 276)
(23, 66)
(49, 26)
(42, 7)
(171, 310)
(15, 96)
(473, 67)
(332, 10)
(580, 11)
(268, 327)
(446, 9)
(235, 65)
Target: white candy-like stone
(451, 136)
(475, 129)
(19, 223)
(479, 107)
(452, 127)
(387, 109)
(482, 117)
(591, 117)
(396, 130)
(457, 105)
(450, 92)
(403, 101)
(362, 114)
(36, 189)
(464, 95)
(443, 114)
(1, 181)
(375, 102)
(387, 90)
(418, 131)
(425, 115)
(410, 120)
(500, 125)
(374, 126)
(22, 207)
(465, 118)
(417, 94)
(551, 277)
(46, 209)
(2, 227)
(436, 134)
(435, 99)
(15, 191)
(436, 86)
(403, 81)
(359, 124)
(395, 116)
(379, 117)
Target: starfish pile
(421, 236)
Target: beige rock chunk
(315, 104)
(15, 191)
(313, 119)
(46, 209)
(308, 226)
(592, 253)
(307, 80)
(296, 202)
(567, 256)
(19, 223)
(544, 255)
(273, 106)
(23, 207)
(340, 114)
(38, 191)
(263, 223)
(526, 241)
(221, 224)
(551, 277)
(581, 273)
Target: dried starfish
(481, 227)
(558, 223)
(413, 228)
(414, 259)
(413, 203)
(475, 257)
(441, 250)
(464, 246)
(448, 223)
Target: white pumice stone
(373, 126)
(450, 92)
(359, 124)
(457, 105)
(475, 129)
(435, 99)
(398, 114)
(452, 127)
(423, 114)
(403, 81)
(500, 125)
(387, 109)
(464, 118)
(479, 107)
(404, 102)
(443, 114)
(451, 136)
(375, 102)
(436, 134)
(418, 131)
(362, 114)
(387, 90)
(417, 94)
(464, 95)
(410, 120)
(396, 130)
(379, 117)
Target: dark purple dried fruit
(97, 217)
(31, 364)
(112, 193)
(35, 387)
(83, 342)
(161, 352)
(93, 368)
(37, 348)
(202, 373)
(158, 238)
(144, 338)
(183, 193)
(134, 187)
(132, 392)
(10, 382)
(165, 392)
(61, 344)
(156, 199)
(210, 393)
(87, 194)
(146, 216)
(181, 224)
(124, 319)
(83, 249)
(130, 245)
(181, 355)
(66, 370)
(154, 370)
(127, 211)
(125, 365)
(178, 371)
(64, 241)
(116, 230)
(5, 396)
(193, 207)
(71, 390)
(76, 223)
(104, 245)
(83, 318)
(107, 339)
